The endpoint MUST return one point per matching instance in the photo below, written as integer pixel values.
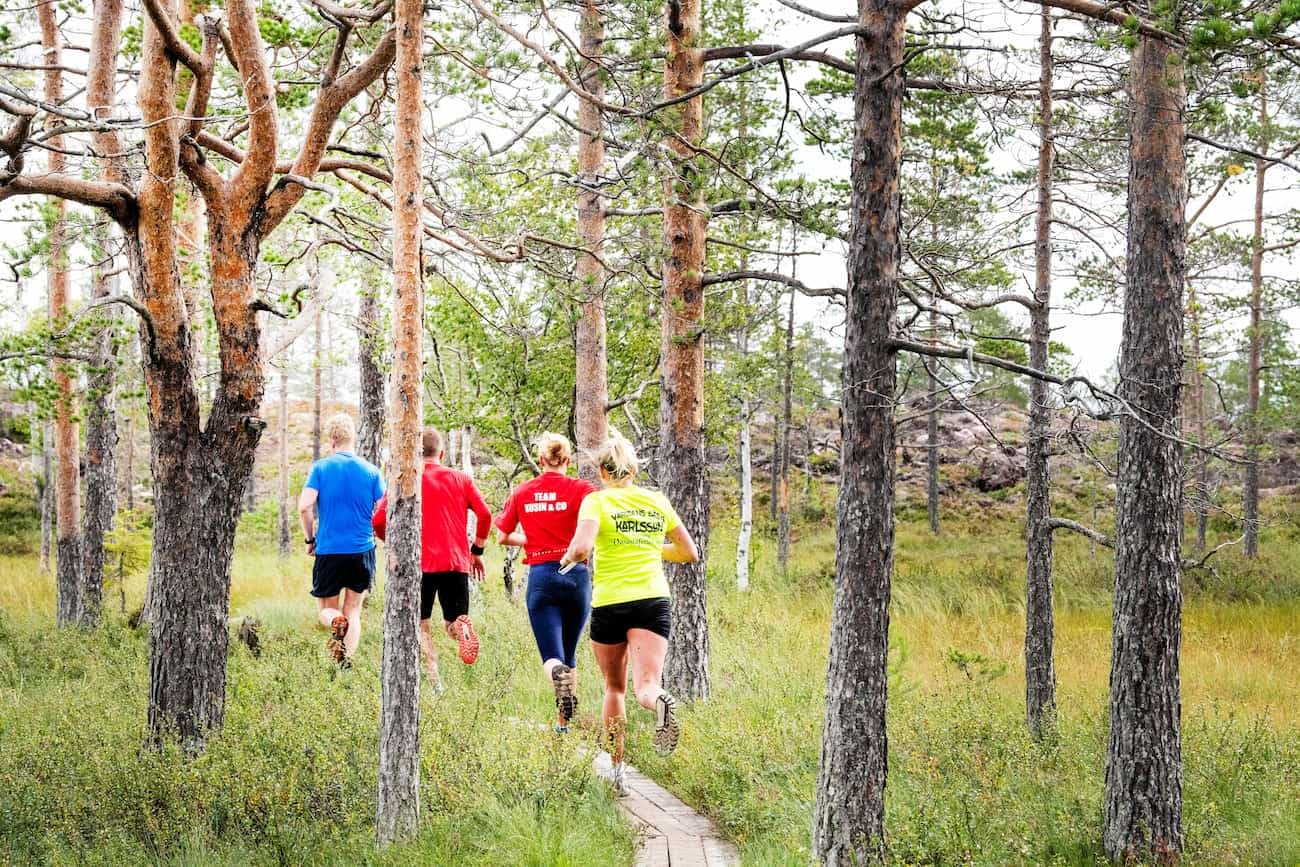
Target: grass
(292, 778)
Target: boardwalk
(673, 834)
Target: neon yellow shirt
(630, 530)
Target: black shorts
(610, 623)
(452, 590)
(330, 573)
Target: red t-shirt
(547, 506)
(446, 498)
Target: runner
(343, 488)
(446, 558)
(547, 509)
(625, 526)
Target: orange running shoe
(338, 629)
(467, 640)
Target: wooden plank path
(672, 833)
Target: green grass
(292, 778)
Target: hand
(477, 569)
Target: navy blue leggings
(558, 606)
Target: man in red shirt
(447, 561)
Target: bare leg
(647, 650)
(352, 611)
(430, 654)
(612, 659)
(329, 609)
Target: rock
(998, 470)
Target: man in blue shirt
(343, 488)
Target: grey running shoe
(667, 729)
(618, 778)
(566, 702)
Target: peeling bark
(848, 820)
(681, 467)
(69, 604)
(1142, 805)
(591, 382)
(398, 809)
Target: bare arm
(306, 511)
(512, 540)
(681, 547)
(584, 539)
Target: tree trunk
(787, 417)
(592, 387)
(848, 821)
(282, 447)
(315, 387)
(681, 396)
(69, 608)
(128, 468)
(1040, 667)
(1255, 336)
(1142, 815)
(398, 811)
(370, 430)
(746, 500)
(45, 495)
(101, 413)
(1201, 503)
(932, 425)
(101, 446)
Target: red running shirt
(547, 507)
(447, 497)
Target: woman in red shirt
(546, 508)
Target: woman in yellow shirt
(626, 526)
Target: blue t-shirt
(347, 489)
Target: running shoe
(467, 640)
(566, 702)
(338, 629)
(618, 778)
(667, 729)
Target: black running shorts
(610, 623)
(452, 590)
(331, 573)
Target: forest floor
(292, 778)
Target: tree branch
(176, 46)
(774, 277)
(1100, 538)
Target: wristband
(476, 550)
(311, 541)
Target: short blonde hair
(341, 430)
(553, 450)
(617, 457)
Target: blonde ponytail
(553, 450)
(617, 457)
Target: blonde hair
(341, 430)
(617, 457)
(553, 450)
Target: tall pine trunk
(69, 607)
(101, 413)
(932, 424)
(746, 531)
(282, 450)
(315, 383)
(101, 446)
(1040, 667)
(787, 419)
(1142, 808)
(370, 430)
(398, 810)
(1255, 336)
(1201, 503)
(681, 465)
(591, 383)
(849, 816)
